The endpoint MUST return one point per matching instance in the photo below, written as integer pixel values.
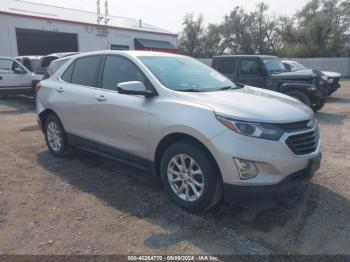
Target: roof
(129, 53)
(252, 56)
(56, 13)
(149, 43)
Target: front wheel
(302, 97)
(319, 105)
(190, 177)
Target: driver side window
(118, 70)
(249, 67)
(9, 66)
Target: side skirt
(111, 153)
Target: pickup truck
(333, 78)
(16, 79)
(268, 72)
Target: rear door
(251, 72)
(73, 95)
(228, 67)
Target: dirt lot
(90, 205)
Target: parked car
(30, 62)
(332, 78)
(268, 72)
(15, 78)
(55, 65)
(45, 61)
(203, 135)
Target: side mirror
(134, 88)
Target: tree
(320, 28)
(191, 38)
(322, 25)
(213, 41)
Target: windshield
(274, 65)
(186, 74)
(297, 66)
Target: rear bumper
(233, 193)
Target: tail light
(37, 87)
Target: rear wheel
(190, 177)
(302, 97)
(55, 136)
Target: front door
(251, 72)
(13, 75)
(121, 121)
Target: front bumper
(274, 160)
(233, 193)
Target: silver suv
(203, 135)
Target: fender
(295, 86)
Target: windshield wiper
(227, 88)
(188, 90)
(237, 86)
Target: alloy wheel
(54, 136)
(185, 177)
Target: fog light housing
(246, 169)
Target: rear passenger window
(118, 70)
(249, 67)
(227, 66)
(86, 70)
(67, 75)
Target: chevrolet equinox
(206, 137)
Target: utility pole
(107, 19)
(99, 16)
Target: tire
(319, 105)
(302, 97)
(209, 193)
(54, 133)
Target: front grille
(295, 126)
(305, 143)
(336, 80)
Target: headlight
(258, 130)
(325, 78)
(330, 80)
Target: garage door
(35, 42)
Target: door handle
(60, 90)
(101, 98)
(0, 77)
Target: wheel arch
(44, 115)
(170, 139)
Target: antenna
(106, 13)
(98, 7)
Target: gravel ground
(89, 205)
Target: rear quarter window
(67, 75)
(86, 71)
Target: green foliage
(320, 29)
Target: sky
(169, 14)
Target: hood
(252, 104)
(303, 75)
(331, 74)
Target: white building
(28, 28)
